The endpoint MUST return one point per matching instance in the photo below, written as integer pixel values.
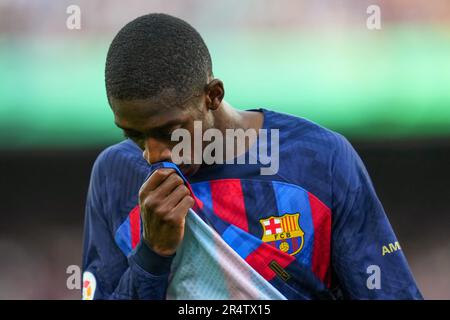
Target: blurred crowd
(45, 17)
(35, 257)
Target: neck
(227, 117)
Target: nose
(156, 151)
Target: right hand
(164, 202)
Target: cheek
(196, 128)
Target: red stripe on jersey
(228, 202)
(260, 260)
(321, 217)
(135, 226)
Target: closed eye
(162, 133)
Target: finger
(176, 196)
(168, 185)
(180, 211)
(157, 177)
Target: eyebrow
(165, 126)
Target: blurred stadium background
(387, 90)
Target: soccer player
(318, 211)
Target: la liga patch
(89, 285)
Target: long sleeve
(366, 255)
(107, 272)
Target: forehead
(138, 114)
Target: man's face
(150, 123)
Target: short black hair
(155, 52)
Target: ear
(214, 94)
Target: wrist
(152, 261)
(164, 252)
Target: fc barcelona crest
(283, 233)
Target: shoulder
(299, 132)
(119, 159)
(116, 177)
(124, 149)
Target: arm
(366, 256)
(111, 275)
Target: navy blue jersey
(319, 210)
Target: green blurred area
(393, 83)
